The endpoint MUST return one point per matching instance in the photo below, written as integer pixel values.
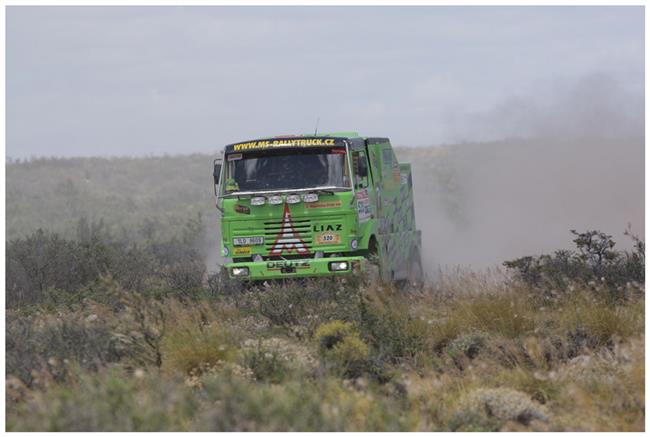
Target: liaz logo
(323, 228)
(288, 239)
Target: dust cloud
(577, 163)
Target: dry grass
(495, 356)
(195, 339)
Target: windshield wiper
(329, 190)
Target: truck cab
(316, 205)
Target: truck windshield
(286, 170)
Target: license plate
(248, 241)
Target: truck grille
(289, 237)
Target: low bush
(330, 334)
(595, 261)
(297, 405)
(510, 314)
(392, 330)
(487, 409)
(266, 365)
(46, 268)
(530, 381)
(592, 322)
(602, 390)
(108, 401)
(301, 306)
(191, 345)
(466, 347)
(128, 329)
(341, 348)
(472, 352)
(44, 344)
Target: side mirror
(362, 167)
(216, 173)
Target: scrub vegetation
(118, 325)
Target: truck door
(380, 157)
(375, 187)
(385, 187)
(362, 182)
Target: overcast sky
(152, 80)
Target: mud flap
(395, 253)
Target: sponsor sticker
(363, 206)
(234, 157)
(298, 142)
(321, 205)
(242, 251)
(328, 238)
(248, 241)
(396, 175)
(242, 209)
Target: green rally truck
(316, 205)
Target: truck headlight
(309, 198)
(225, 251)
(257, 201)
(239, 271)
(275, 200)
(293, 198)
(338, 266)
(354, 244)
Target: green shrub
(592, 322)
(91, 335)
(329, 334)
(265, 364)
(533, 382)
(341, 348)
(594, 261)
(108, 401)
(191, 345)
(302, 305)
(489, 409)
(296, 405)
(466, 347)
(47, 268)
(393, 332)
(507, 314)
(43, 343)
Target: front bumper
(295, 268)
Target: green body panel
(377, 213)
(311, 224)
